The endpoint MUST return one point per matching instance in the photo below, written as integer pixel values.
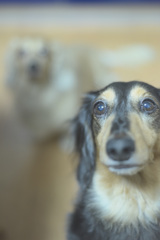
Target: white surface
(57, 16)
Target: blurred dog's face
(32, 59)
(126, 123)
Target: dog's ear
(158, 91)
(84, 142)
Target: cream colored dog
(42, 102)
(47, 82)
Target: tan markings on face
(102, 138)
(109, 95)
(137, 93)
(145, 138)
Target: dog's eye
(148, 106)
(100, 108)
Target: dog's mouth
(121, 166)
(125, 169)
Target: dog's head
(117, 130)
(30, 59)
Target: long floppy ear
(84, 141)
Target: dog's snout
(33, 67)
(120, 149)
(120, 124)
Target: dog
(117, 135)
(41, 90)
(28, 64)
(47, 78)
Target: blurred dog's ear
(10, 61)
(84, 142)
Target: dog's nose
(34, 67)
(120, 149)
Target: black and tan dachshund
(118, 140)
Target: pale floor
(37, 185)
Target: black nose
(34, 67)
(120, 149)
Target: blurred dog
(30, 60)
(117, 137)
(47, 81)
(40, 98)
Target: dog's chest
(128, 233)
(85, 225)
(123, 205)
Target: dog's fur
(118, 200)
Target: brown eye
(148, 106)
(100, 108)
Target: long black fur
(85, 142)
(85, 226)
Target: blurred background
(83, 42)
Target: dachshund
(117, 135)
